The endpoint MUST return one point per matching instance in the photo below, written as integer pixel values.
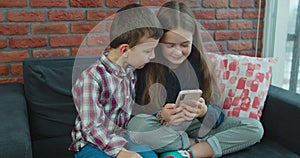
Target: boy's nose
(152, 56)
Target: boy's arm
(94, 121)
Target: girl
(196, 128)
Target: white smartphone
(186, 95)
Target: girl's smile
(176, 46)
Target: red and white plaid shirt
(104, 99)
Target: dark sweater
(186, 76)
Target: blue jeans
(90, 151)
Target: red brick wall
(47, 28)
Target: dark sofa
(37, 116)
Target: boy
(104, 93)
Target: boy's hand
(128, 154)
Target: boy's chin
(140, 67)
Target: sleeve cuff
(114, 148)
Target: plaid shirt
(104, 99)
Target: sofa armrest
(281, 118)
(14, 130)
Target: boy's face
(142, 53)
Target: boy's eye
(148, 51)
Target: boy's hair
(133, 22)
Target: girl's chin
(174, 64)
(177, 61)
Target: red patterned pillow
(245, 83)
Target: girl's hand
(193, 109)
(171, 115)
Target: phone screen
(186, 95)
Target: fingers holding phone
(192, 102)
(171, 115)
(195, 108)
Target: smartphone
(186, 95)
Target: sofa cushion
(14, 128)
(245, 82)
(47, 84)
(281, 117)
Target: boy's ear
(124, 49)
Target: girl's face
(176, 46)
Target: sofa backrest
(47, 86)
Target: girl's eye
(185, 45)
(170, 45)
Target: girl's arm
(214, 113)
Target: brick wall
(48, 28)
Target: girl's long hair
(173, 15)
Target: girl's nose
(177, 50)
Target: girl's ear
(124, 49)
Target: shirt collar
(115, 68)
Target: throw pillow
(245, 83)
